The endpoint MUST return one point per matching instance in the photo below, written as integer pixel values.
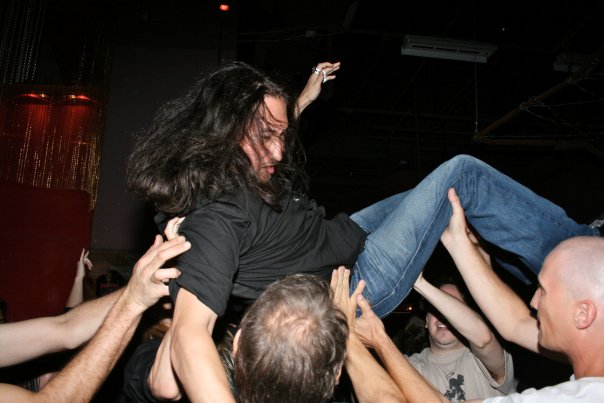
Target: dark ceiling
(388, 119)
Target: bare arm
(21, 341)
(504, 309)
(371, 332)
(370, 381)
(76, 296)
(313, 87)
(193, 354)
(81, 378)
(469, 324)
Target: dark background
(382, 125)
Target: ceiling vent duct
(446, 48)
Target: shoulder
(582, 390)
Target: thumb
(364, 305)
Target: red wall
(42, 233)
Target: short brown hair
(292, 343)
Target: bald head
(578, 263)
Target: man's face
(552, 304)
(441, 338)
(266, 150)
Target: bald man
(569, 304)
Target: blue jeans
(403, 230)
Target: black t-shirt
(240, 245)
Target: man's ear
(338, 375)
(236, 342)
(585, 314)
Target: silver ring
(324, 75)
(316, 70)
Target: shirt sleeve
(508, 385)
(216, 233)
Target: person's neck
(436, 349)
(587, 365)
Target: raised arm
(504, 309)
(193, 354)
(76, 295)
(370, 381)
(82, 377)
(371, 332)
(21, 341)
(469, 324)
(187, 355)
(322, 73)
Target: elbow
(163, 391)
(484, 339)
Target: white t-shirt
(459, 375)
(584, 390)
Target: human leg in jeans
(404, 229)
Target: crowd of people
(223, 167)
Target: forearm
(21, 341)
(193, 354)
(82, 322)
(301, 103)
(414, 386)
(504, 309)
(76, 296)
(467, 322)
(198, 367)
(162, 379)
(370, 381)
(82, 377)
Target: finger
(338, 284)
(173, 251)
(82, 254)
(163, 275)
(343, 274)
(357, 291)
(151, 252)
(334, 281)
(364, 305)
(455, 202)
(171, 230)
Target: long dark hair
(191, 149)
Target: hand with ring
(321, 73)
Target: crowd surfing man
(226, 156)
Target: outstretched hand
(322, 73)
(340, 288)
(148, 282)
(83, 264)
(368, 327)
(457, 224)
(458, 229)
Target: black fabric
(137, 371)
(240, 245)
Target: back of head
(579, 264)
(192, 147)
(292, 343)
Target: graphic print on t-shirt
(455, 392)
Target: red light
(79, 97)
(224, 7)
(35, 95)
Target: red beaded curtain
(50, 132)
